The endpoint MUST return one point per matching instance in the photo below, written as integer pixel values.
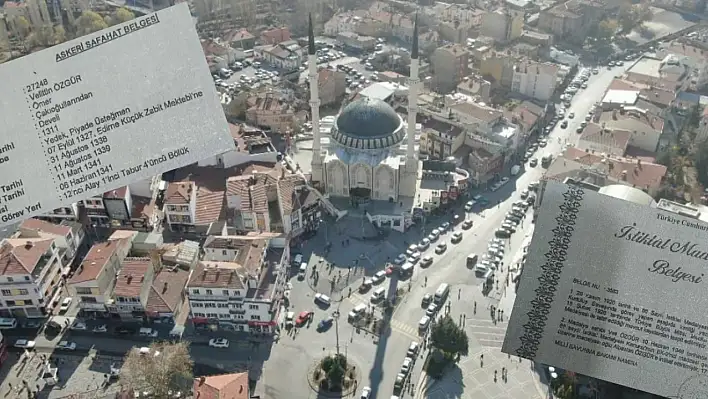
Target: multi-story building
(332, 86)
(535, 80)
(180, 205)
(450, 64)
(571, 20)
(93, 281)
(343, 22)
(286, 55)
(503, 25)
(270, 111)
(275, 35)
(132, 288)
(68, 236)
(3, 349)
(238, 285)
(31, 275)
(252, 145)
(69, 212)
(499, 67)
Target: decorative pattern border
(548, 281)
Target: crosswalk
(486, 332)
(405, 329)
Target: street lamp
(554, 376)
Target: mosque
(371, 154)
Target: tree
(448, 337)
(122, 15)
(700, 160)
(167, 367)
(23, 26)
(59, 34)
(607, 29)
(89, 22)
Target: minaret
(413, 83)
(314, 90)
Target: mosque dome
(368, 124)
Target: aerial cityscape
(367, 236)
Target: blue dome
(368, 118)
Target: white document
(103, 110)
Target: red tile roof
(21, 256)
(210, 206)
(130, 281)
(224, 386)
(179, 193)
(94, 261)
(45, 227)
(166, 292)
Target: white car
(442, 247)
(65, 305)
(66, 345)
(424, 244)
(365, 393)
(78, 326)
(379, 277)
(24, 344)
(414, 258)
(426, 261)
(322, 298)
(469, 205)
(406, 366)
(100, 329)
(219, 343)
(456, 237)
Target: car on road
(127, 330)
(100, 329)
(365, 393)
(533, 186)
(406, 366)
(303, 317)
(400, 382)
(444, 227)
(502, 233)
(412, 249)
(414, 258)
(435, 234)
(426, 261)
(219, 343)
(564, 124)
(467, 224)
(65, 304)
(469, 205)
(543, 143)
(495, 187)
(427, 299)
(504, 180)
(78, 326)
(480, 199)
(24, 344)
(423, 323)
(440, 248)
(413, 349)
(524, 194)
(424, 244)
(533, 162)
(379, 277)
(322, 299)
(571, 115)
(325, 323)
(432, 310)
(66, 345)
(456, 237)
(400, 259)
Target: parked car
(303, 317)
(324, 324)
(219, 343)
(379, 277)
(456, 237)
(440, 248)
(24, 344)
(66, 345)
(426, 261)
(78, 325)
(100, 329)
(365, 393)
(65, 304)
(322, 299)
(467, 224)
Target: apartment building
(180, 205)
(571, 20)
(251, 145)
(31, 276)
(499, 67)
(69, 212)
(270, 111)
(535, 80)
(450, 64)
(343, 22)
(132, 288)
(68, 236)
(93, 281)
(503, 25)
(35, 12)
(238, 285)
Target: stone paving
(79, 376)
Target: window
(6, 292)
(223, 252)
(88, 299)
(195, 292)
(255, 317)
(23, 291)
(10, 303)
(237, 306)
(83, 291)
(209, 292)
(225, 292)
(27, 278)
(252, 307)
(197, 305)
(199, 314)
(10, 280)
(222, 305)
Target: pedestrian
(495, 376)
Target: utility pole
(336, 328)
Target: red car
(302, 318)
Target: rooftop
(94, 261)
(224, 386)
(247, 262)
(166, 292)
(482, 113)
(179, 193)
(251, 140)
(594, 133)
(23, 256)
(130, 280)
(42, 226)
(647, 66)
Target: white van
(472, 259)
(303, 270)
(357, 312)
(148, 332)
(407, 269)
(378, 295)
(441, 293)
(297, 260)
